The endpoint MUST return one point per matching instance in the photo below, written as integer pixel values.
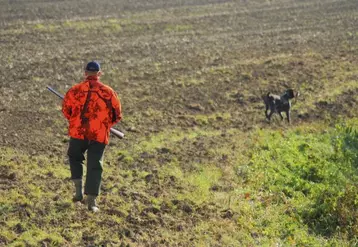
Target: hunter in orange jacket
(91, 108)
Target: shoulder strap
(85, 107)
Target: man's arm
(67, 106)
(116, 109)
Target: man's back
(92, 108)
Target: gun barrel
(53, 91)
(113, 131)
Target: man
(91, 108)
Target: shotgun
(113, 131)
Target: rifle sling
(85, 108)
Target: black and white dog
(276, 103)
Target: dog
(276, 103)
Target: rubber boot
(91, 202)
(79, 194)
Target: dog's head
(291, 93)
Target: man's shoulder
(106, 88)
(79, 86)
(75, 91)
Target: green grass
(202, 181)
(168, 138)
(178, 28)
(313, 173)
(294, 187)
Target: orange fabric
(103, 110)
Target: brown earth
(221, 61)
(230, 49)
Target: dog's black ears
(290, 93)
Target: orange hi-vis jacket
(91, 108)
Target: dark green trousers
(76, 154)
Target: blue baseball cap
(93, 66)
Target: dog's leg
(267, 108)
(280, 115)
(288, 116)
(269, 115)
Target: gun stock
(113, 131)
